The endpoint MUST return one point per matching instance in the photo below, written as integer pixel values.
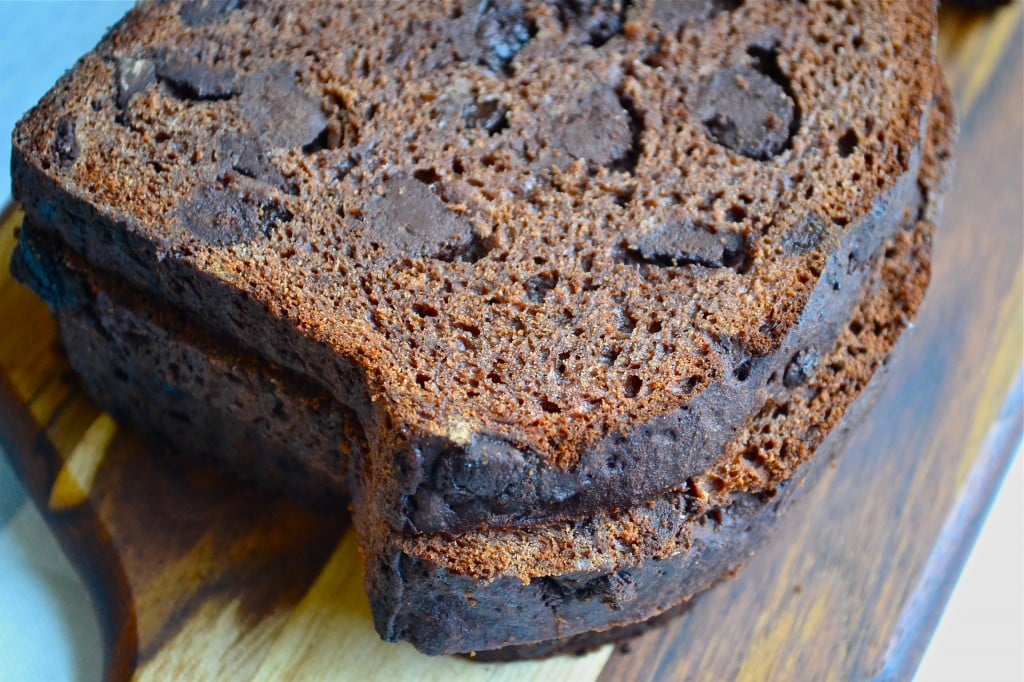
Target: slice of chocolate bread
(549, 253)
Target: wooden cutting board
(199, 577)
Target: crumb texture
(543, 222)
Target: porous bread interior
(547, 334)
(770, 448)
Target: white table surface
(47, 628)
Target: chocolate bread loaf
(578, 286)
(572, 234)
(432, 594)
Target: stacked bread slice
(567, 296)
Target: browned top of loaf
(542, 220)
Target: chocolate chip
(485, 467)
(409, 219)
(280, 111)
(806, 236)
(800, 368)
(613, 589)
(599, 129)
(600, 20)
(686, 242)
(489, 113)
(746, 111)
(134, 74)
(197, 81)
(199, 12)
(246, 154)
(65, 142)
(670, 15)
(223, 215)
(494, 33)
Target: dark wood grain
(199, 576)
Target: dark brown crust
(193, 394)
(668, 413)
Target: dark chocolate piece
(597, 130)
(407, 219)
(195, 80)
(746, 111)
(684, 242)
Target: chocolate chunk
(489, 113)
(197, 81)
(600, 20)
(614, 589)
(280, 115)
(806, 236)
(199, 12)
(685, 242)
(538, 286)
(494, 33)
(227, 215)
(280, 111)
(800, 368)
(599, 129)
(65, 142)
(746, 111)
(670, 15)
(409, 219)
(246, 155)
(485, 467)
(134, 74)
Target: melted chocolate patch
(227, 215)
(281, 112)
(599, 129)
(408, 219)
(280, 116)
(247, 155)
(746, 111)
(685, 242)
(485, 467)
